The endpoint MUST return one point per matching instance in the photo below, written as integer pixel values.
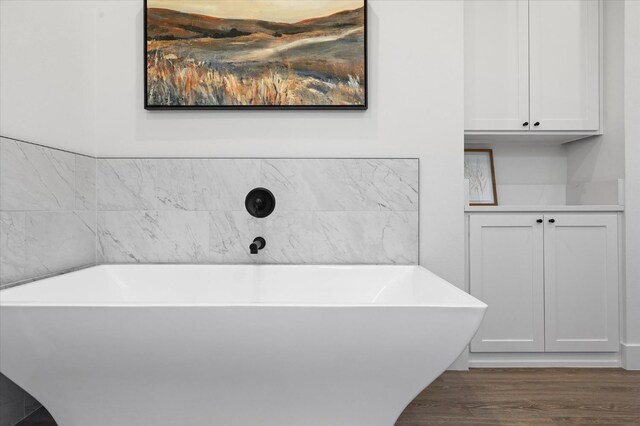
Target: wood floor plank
(528, 397)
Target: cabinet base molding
(547, 360)
(630, 356)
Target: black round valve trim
(260, 202)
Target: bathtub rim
(471, 302)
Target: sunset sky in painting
(275, 10)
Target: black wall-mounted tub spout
(257, 244)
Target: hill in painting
(165, 24)
(203, 60)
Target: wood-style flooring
(528, 397)
(513, 397)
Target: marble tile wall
(47, 211)
(192, 210)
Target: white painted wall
(528, 164)
(529, 174)
(631, 331)
(416, 102)
(46, 72)
(601, 158)
(416, 110)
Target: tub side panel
(251, 365)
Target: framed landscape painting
(255, 54)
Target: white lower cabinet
(507, 273)
(581, 283)
(550, 280)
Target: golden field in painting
(198, 60)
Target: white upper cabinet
(496, 65)
(564, 65)
(532, 66)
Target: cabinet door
(564, 64)
(581, 283)
(496, 65)
(506, 272)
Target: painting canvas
(308, 54)
(479, 170)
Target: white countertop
(541, 208)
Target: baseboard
(630, 356)
(545, 360)
(462, 362)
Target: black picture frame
(363, 107)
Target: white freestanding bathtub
(233, 345)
